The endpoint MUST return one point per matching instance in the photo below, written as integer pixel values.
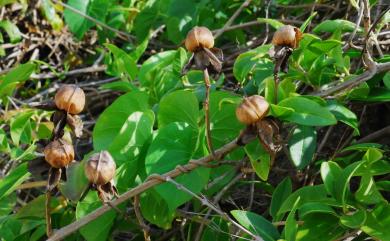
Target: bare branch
(232, 18)
(149, 183)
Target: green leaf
(96, 9)
(273, 22)
(361, 147)
(123, 129)
(156, 210)
(172, 108)
(307, 112)
(305, 194)
(174, 145)
(16, 76)
(162, 72)
(378, 94)
(280, 112)
(7, 204)
(98, 229)
(378, 222)
(224, 124)
(319, 227)
(77, 24)
(5, 2)
(122, 63)
(386, 80)
(290, 230)
(368, 192)
(307, 22)
(252, 62)
(140, 49)
(259, 158)
(344, 115)
(123, 86)
(330, 171)
(35, 209)
(281, 193)
(331, 26)
(256, 224)
(372, 155)
(12, 30)
(21, 128)
(302, 145)
(76, 182)
(48, 10)
(115, 117)
(10, 182)
(354, 220)
(315, 207)
(342, 182)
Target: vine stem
(207, 111)
(149, 183)
(47, 214)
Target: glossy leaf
(10, 182)
(302, 145)
(307, 112)
(256, 224)
(173, 108)
(281, 193)
(174, 145)
(344, 115)
(259, 158)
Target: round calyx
(199, 37)
(287, 35)
(252, 109)
(70, 98)
(100, 168)
(59, 153)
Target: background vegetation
(329, 182)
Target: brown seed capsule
(59, 153)
(100, 168)
(252, 109)
(70, 98)
(287, 35)
(199, 37)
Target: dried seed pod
(70, 98)
(252, 109)
(287, 35)
(59, 153)
(199, 37)
(100, 168)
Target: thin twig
(232, 18)
(215, 201)
(29, 185)
(309, 5)
(193, 164)
(56, 86)
(51, 75)
(140, 219)
(256, 23)
(357, 25)
(204, 201)
(207, 111)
